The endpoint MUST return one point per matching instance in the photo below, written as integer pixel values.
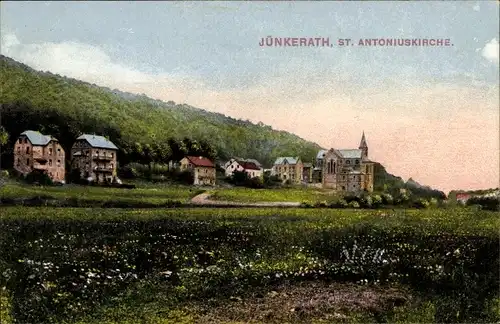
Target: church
(345, 170)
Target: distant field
(310, 195)
(157, 194)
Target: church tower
(363, 146)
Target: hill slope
(65, 107)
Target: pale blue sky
(428, 113)
(219, 41)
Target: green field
(237, 265)
(310, 195)
(152, 194)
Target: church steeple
(363, 146)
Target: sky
(430, 113)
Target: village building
(203, 169)
(253, 169)
(95, 157)
(348, 169)
(34, 151)
(307, 173)
(288, 169)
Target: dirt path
(204, 199)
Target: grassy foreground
(92, 265)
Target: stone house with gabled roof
(347, 170)
(253, 169)
(34, 151)
(288, 168)
(202, 168)
(95, 157)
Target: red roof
(248, 165)
(200, 161)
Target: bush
(421, 203)
(353, 204)
(376, 201)
(41, 178)
(321, 204)
(487, 203)
(387, 199)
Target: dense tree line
(65, 108)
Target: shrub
(487, 203)
(421, 203)
(387, 199)
(366, 201)
(376, 201)
(353, 204)
(321, 204)
(41, 178)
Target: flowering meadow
(105, 265)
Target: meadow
(239, 194)
(272, 265)
(157, 194)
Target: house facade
(203, 169)
(95, 157)
(251, 168)
(288, 168)
(307, 172)
(347, 170)
(34, 151)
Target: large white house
(251, 167)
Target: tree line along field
(272, 265)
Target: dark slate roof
(98, 141)
(37, 138)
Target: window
(26, 140)
(58, 163)
(334, 167)
(57, 174)
(50, 150)
(348, 162)
(28, 149)
(50, 162)
(112, 155)
(27, 161)
(19, 150)
(18, 162)
(357, 161)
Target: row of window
(28, 162)
(28, 150)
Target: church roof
(321, 154)
(351, 154)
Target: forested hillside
(65, 107)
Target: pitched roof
(363, 141)
(247, 165)
(257, 163)
(98, 141)
(351, 154)
(200, 161)
(321, 154)
(37, 138)
(288, 159)
(307, 165)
